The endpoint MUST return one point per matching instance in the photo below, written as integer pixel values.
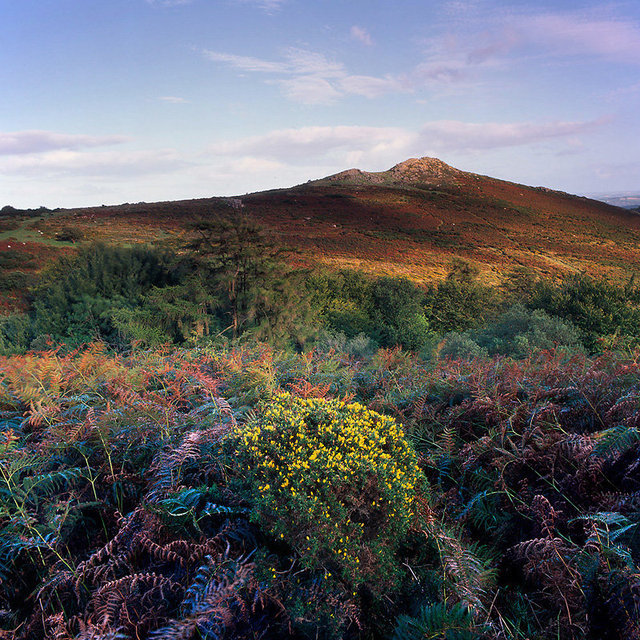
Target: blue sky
(145, 100)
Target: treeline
(231, 283)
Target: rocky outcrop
(412, 171)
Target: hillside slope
(410, 220)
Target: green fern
(615, 440)
(48, 484)
(437, 622)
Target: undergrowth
(251, 493)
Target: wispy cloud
(289, 145)
(99, 164)
(317, 145)
(266, 5)
(246, 63)
(467, 50)
(25, 142)
(173, 99)
(361, 35)
(309, 77)
(502, 38)
(453, 135)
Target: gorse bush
(344, 474)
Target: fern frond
(437, 621)
(615, 440)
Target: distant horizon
(155, 100)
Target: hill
(410, 220)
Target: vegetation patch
(345, 475)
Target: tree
(242, 265)
(77, 297)
(398, 315)
(459, 302)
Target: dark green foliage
(16, 333)
(170, 314)
(517, 333)
(343, 301)
(16, 281)
(459, 302)
(76, 300)
(600, 310)
(397, 313)
(436, 621)
(387, 310)
(240, 266)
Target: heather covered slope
(411, 220)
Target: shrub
(517, 333)
(344, 475)
(462, 345)
(360, 346)
(398, 316)
(597, 308)
(69, 234)
(16, 333)
(16, 280)
(459, 302)
(520, 332)
(77, 297)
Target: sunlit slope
(412, 220)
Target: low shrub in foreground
(343, 474)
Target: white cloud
(303, 62)
(361, 35)
(309, 77)
(453, 135)
(250, 165)
(24, 142)
(310, 90)
(267, 5)
(370, 86)
(311, 143)
(246, 63)
(173, 99)
(92, 163)
(168, 3)
(344, 145)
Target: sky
(106, 102)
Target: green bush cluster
(389, 310)
(230, 283)
(516, 333)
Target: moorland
(396, 405)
